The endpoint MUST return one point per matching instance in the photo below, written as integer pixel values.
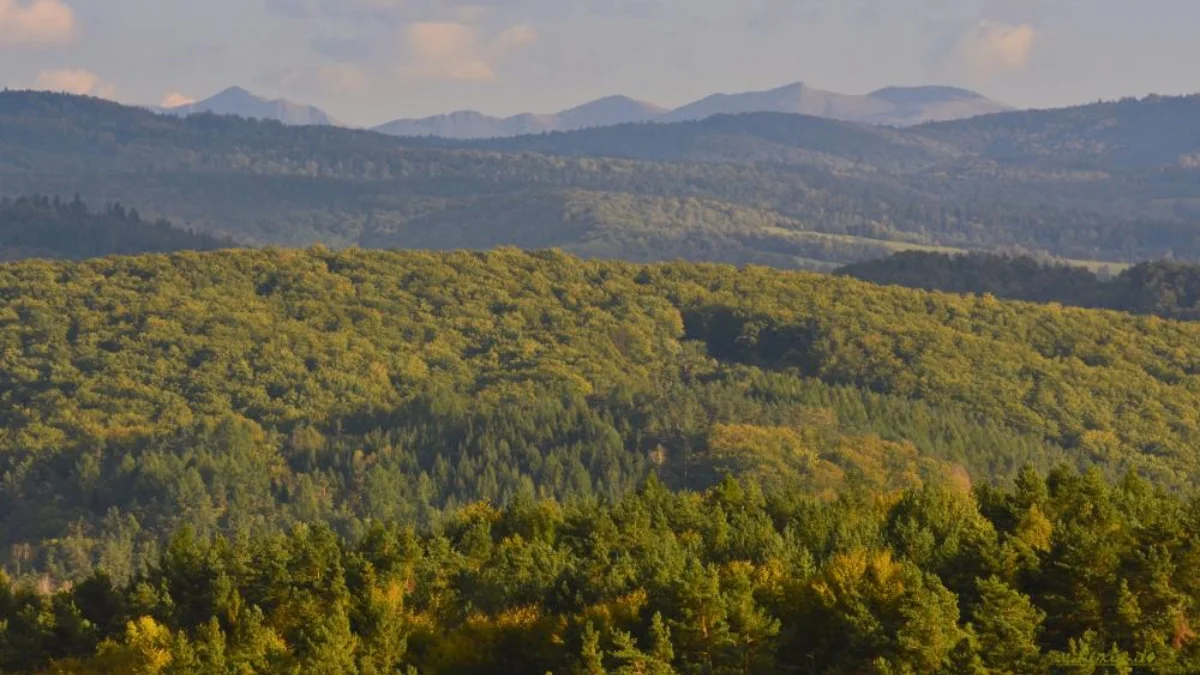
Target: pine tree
(1006, 625)
(591, 656)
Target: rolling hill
(934, 186)
(247, 391)
(41, 227)
(1163, 288)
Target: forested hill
(465, 462)
(41, 227)
(1155, 131)
(751, 137)
(247, 391)
(1167, 289)
(784, 190)
(1126, 135)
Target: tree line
(1165, 288)
(1057, 573)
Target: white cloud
(993, 47)
(36, 23)
(175, 99)
(74, 81)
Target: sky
(370, 61)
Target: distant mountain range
(238, 101)
(893, 106)
(1111, 182)
(470, 124)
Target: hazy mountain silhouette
(238, 101)
(470, 124)
(894, 106)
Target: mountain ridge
(468, 124)
(238, 101)
(890, 106)
(1107, 182)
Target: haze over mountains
(893, 106)
(467, 124)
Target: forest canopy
(248, 391)
(1064, 573)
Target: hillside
(44, 228)
(750, 138)
(1156, 131)
(264, 182)
(1167, 289)
(1130, 135)
(247, 391)
(630, 227)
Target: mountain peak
(616, 109)
(235, 90)
(238, 101)
(607, 111)
(892, 106)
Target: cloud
(74, 81)
(175, 99)
(445, 50)
(450, 50)
(515, 38)
(36, 23)
(993, 47)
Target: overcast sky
(369, 61)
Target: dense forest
(1064, 573)
(934, 186)
(249, 391)
(42, 227)
(584, 459)
(1165, 288)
